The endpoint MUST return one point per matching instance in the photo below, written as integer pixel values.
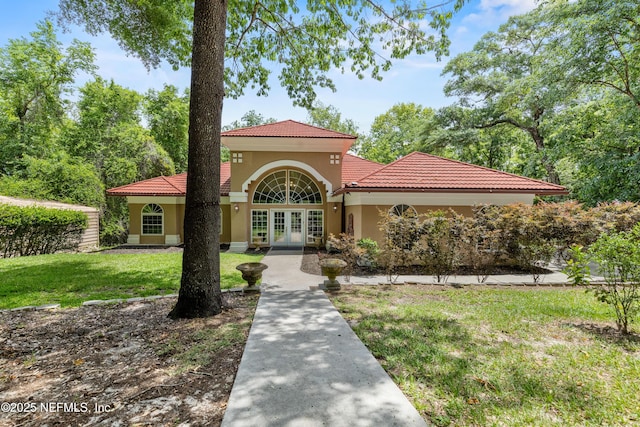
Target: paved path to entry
(284, 272)
(304, 366)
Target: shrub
(438, 247)
(347, 251)
(400, 235)
(478, 247)
(37, 230)
(578, 270)
(617, 255)
(617, 216)
(370, 252)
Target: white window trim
(311, 238)
(268, 235)
(287, 190)
(392, 211)
(142, 215)
(280, 164)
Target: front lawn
(70, 279)
(500, 356)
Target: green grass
(70, 279)
(197, 349)
(504, 357)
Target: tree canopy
(566, 75)
(35, 74)
(395, 133)
(229, 55)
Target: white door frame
(287, 225)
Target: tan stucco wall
(252, 161)
(173, 222)
(135, 223)
(135, 218)
(171, 225)
(333, 220)
(225, 237)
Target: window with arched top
(287, 187)
(403, 210)
(152, 219)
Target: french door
(287, 228)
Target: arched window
(287, 187)
(302, 190)
(272, 189)
(403, 210)
(152, 219)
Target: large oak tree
(233, 47)
(504, 81)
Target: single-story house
(91, 235)
(289, 183)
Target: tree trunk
(552, 173)
(199, 294)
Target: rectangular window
(151, 224)
(315, 225)
(259, 226)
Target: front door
(287, 228)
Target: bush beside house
(523, 236)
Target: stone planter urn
(332, 267)
(252, 272)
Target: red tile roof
(175, 186)
(426, 172)
(414, 172)
(287, 129)
(354, 168)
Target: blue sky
(415, 79)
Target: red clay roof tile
(287, 129)
(426, 172)
(354, 167)
(175, 186)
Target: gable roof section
(172, 186)
(354, 168)
(429, 173)
(286, 129)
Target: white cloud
(492, 12)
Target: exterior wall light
(236, 208)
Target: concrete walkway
(304, 366)
(284, 272)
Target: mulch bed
(113, 365)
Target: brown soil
(121, 364)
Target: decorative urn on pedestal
(252, 272)
(332, 267)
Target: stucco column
(239, 226)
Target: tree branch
(248, 27)
(501, 122)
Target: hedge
(526, 236)
(33, 230)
